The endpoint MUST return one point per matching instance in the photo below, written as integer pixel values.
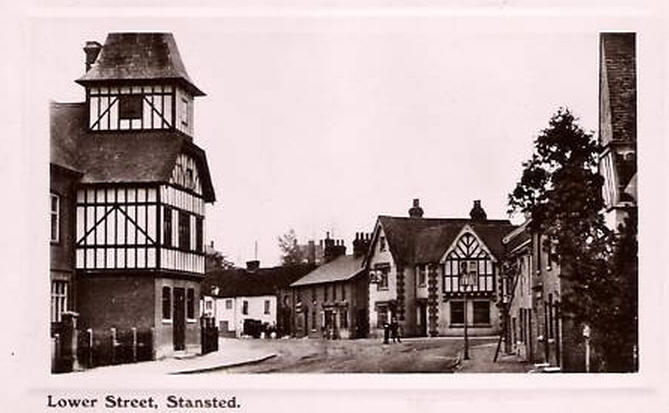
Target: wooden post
(466, 357)
(90, 347)
(113, 345)
(134, 344)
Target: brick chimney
(416, 211)
(252, 266)
(333, 248)
(477, 214)
(361, 244)
(92, 50)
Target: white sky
(323, 123)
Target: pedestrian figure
(386, 332)
(395, 330)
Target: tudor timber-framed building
(416, 265)
(128, 194)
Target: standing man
(395, 330)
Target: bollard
(113, 345)
(90, 347)
(134, 344)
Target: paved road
(352, 356)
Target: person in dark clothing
(395, 330)
(386, 333)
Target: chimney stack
(333, 248)
(92, 50)
(361, 244)
(477, 214)
(416, 211)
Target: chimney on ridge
(416, 211)
(92, 50)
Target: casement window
(245, 307)
(421, 275)
(481, 312)
(228, 304)
(55, 218)
(208, 305)
(382, 278)
(184, 230)
(266, 307)
(190, 304)
(184, 112)
(382, 243)
(381, 315)
(58, 300)
(343, 319)
(167, 303)
(130, 106)
(457, 312)
(199, 234)
(167, 227)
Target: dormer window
(130, 107)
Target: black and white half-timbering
(130, 186)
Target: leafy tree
(561, 191)
(290, 251)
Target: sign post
(467, 280)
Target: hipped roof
(240, 282)
(342, 268)
(119, 157)
(139, 56)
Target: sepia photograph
(298, 192)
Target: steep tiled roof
(264, 281)
(422, 240)
(68, 124)
(139, 56)
(112, 157)
(341, 268)
(618, 66)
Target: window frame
(166, 304)
(478, 303)
(382, 315)
(228, 303)
(55, 219)
(59, 300)
(382, 243)
(130, 106)
(461, 310)
(184, 230)
(266, 309)
(190, 304)
(245, 307)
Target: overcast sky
(321, 124)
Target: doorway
(179, 320)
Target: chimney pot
(416, 211)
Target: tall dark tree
(561, 190)
(290, 251)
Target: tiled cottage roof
(139, 56)
(423, 240)
(123, 157)
(263, 281)
(341, 268)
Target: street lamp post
(467, 280)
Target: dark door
(422, 320)
(179, 322)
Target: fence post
(153, 343)
(90, 347)
(134, 344)
(69, 344)
(113, 345)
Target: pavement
(438, 355)
(231, 353)
(481, 361)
